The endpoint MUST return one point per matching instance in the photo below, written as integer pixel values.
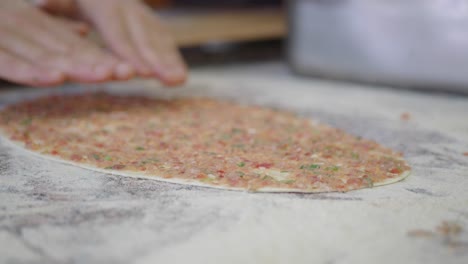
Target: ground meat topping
(216, 142)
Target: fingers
(90, 62)
(157, 48)
(17, 70)
(47, 45)
(112, 28)
(77, 68)
(50, 44)
(135, 35)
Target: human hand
(47, 51)
(132, 31)
(39, 50)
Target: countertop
(56, 213)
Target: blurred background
(219, 32)
(418, 44)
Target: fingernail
(179, 70)
(146, 72)
(63, 64)
(53, 77)
(174, 71)
(102, 71)
(123, 71)
(56, 75)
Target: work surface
(55, 213)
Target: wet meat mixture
(215, 142)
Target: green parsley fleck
(333, 168)
(241, 164)
(370, 182)
(288, 181)
(236, 130)
(26, 121)
(354, 155)
(266, 177)
(151, 160)
(96, 156)
(139, 148)
(241, 146)
(310, 167)
(225, 136)
(207, 179)
(108, 158)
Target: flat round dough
(200, 141)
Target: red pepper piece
(264, 165)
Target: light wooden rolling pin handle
(227, 26)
